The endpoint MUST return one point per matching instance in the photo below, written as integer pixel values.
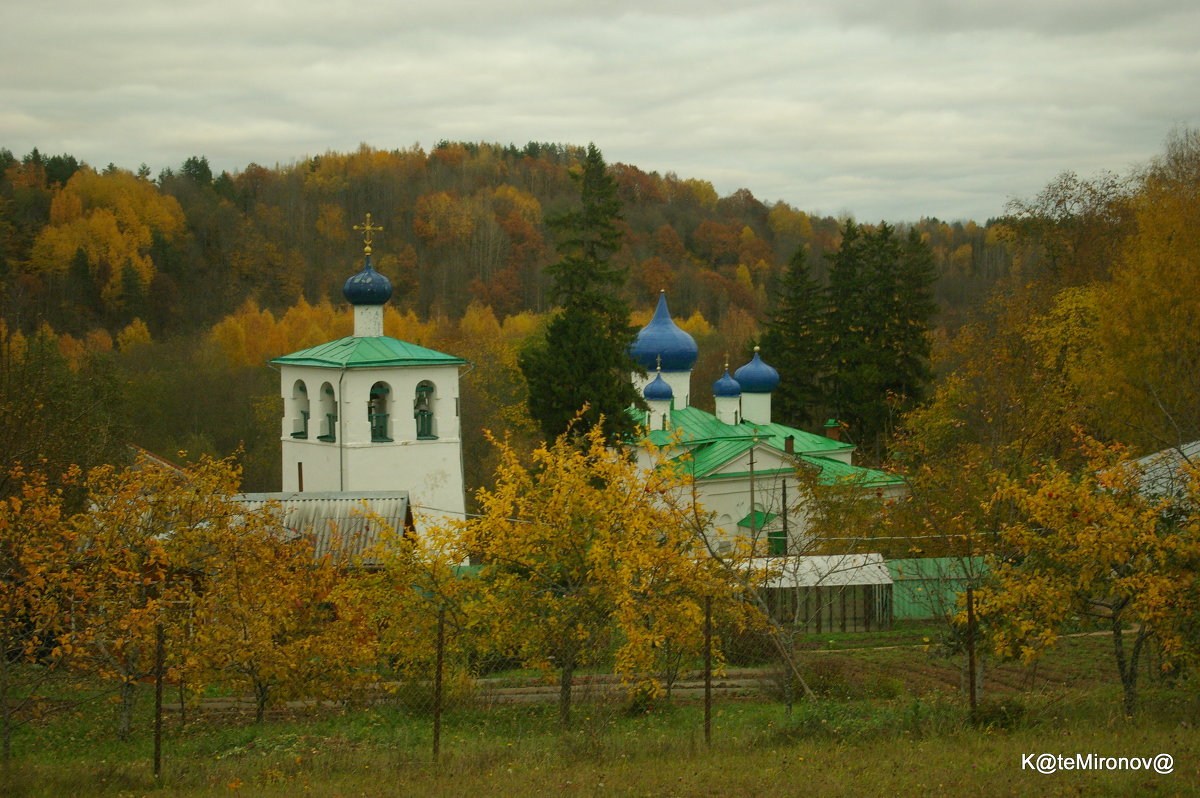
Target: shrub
(998, 713)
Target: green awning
(759, 520)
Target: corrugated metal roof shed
(350, 523)
(823, 571)
(1162, 472)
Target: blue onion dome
(727, 385)
(756, 376)
(658, 390)
(662, 338)
(368, 287)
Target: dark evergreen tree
(794, 341)
(881, 306)
(907, 333)
(197, 170)
(82, 296)
(583, 358)
(844, 337)
(587, 238)
(60, 168)
(133, 295)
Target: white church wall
(680, 382)
(729, 500)
(430, 470)
(756, 408)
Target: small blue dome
(662, 338)
(727, 386)
(368, 287)
(658, 390)
(756, 376)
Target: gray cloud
(883, 109)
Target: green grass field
(910, 737)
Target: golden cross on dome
(367, 229)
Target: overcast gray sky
(883, 109)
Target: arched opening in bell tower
(328, 415)
(379, 412)
(423, 410)
(298, 410)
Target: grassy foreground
(891, 722)
(898, 747)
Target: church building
(370, 418)
(744, 463)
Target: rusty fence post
(437, 683)
(159, 646)
(708, 670)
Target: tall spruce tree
(794, 341)
(881, 306)
(583, 358)
(907, 332)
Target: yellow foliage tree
(1095, 544)
(585, 556)
(134, 335)
(245, 602)
(130, 537)
(276, 617)
(414, 584)
(112, 218)
(39, 586)
(1146, 376)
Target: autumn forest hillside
(142, 309)
(192, 280)
(86, 249)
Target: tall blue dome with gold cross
(661, 346)
(663, 338)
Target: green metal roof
(757, 520)
(367, 352)
(692, 426)
(710, 456)
(803, 442)
(835, 470)
(711, 443)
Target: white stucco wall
(680, 382)
(756, 408)
(430, 470)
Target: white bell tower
(371, 413)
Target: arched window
(379, 412)
(299, 410)
(328, 415)
(423, 410)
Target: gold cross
(367, 228)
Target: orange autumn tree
(244, 601)
(1095, 544)
(39, 585)
(130, 539)
(109, 220)
(412, 583)
(274, 616)
(584, 558)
